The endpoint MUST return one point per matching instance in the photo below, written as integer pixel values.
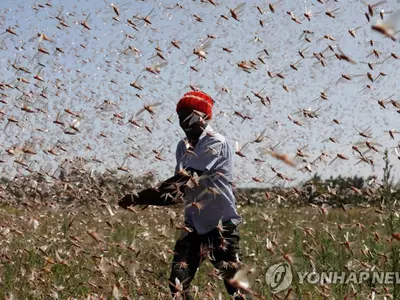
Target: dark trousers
(190, 251)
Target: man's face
(190, 123)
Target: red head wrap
(198, 101)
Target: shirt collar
(205, 131)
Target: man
(202, 180)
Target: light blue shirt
(214, 156)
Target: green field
(71, 241)
(73, 251)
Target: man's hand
(127, 201)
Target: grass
(129, 254)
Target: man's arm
(163, 195)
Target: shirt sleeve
(206, 155)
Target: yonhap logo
(279, 277)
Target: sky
(96, 66)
